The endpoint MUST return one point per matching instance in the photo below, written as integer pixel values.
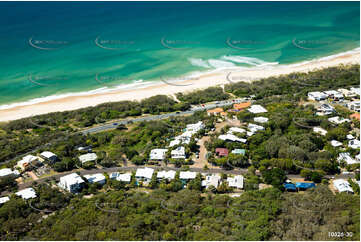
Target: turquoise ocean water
(49, 49)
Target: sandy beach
(217, 77)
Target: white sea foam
(220, 63)
(247, 60)
(198, 62)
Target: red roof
(222, 151)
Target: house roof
(236, 181)
(319, 130)
(215, 111)
(187, 175)
(239, 151)
(211, 180)
(347, 158)
(342, 185)
(145, 172)
(239, 106)
(222, 151)
(231, 137)
(335, 143)
(260, 119)
(157, 154)
(94, 178)
(126, 177)
(7, 172)
(47, 154)
(71, 179)
(237, 130)
(166, 174)
(27, 193)
(257, 109)
(4, 199)
(88, 157)
(354, 143)
(355, 116)
(179, 152)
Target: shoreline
(67, 102)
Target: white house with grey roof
(27, 193)
(72, 182)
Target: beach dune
(213, 78)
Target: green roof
(239, 151)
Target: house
(174, 142)
(355, 116)
(157, 154)
(336, 143)
(168, 175)
(316, 96)
(239, 151)
(88, 157)
(195, 127)
(305, 185)
(236, 181)
(96, 178)
(28, 161)
(346, 158)
(350, 136)
(7, 172)
(320, 131)
(257, 109)
(4, 199)
(216, 111)
(355, 90)
(49, 156)
(261, 120)
(178, 153)
(236, 130)
(231, 137)
(254, 127)
(325, 109)
(335, 95)
(126, 177)
(354, 106)
(346, 93)
(241, 106)
(144, 174)
(72, 183)
(354, 144)
(26, 193)
(222, 152)
(187, 175)
(338, 120)
(211, 180)
(342, 186)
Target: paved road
(109, 126)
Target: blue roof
(289, 186)
(305, 185)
